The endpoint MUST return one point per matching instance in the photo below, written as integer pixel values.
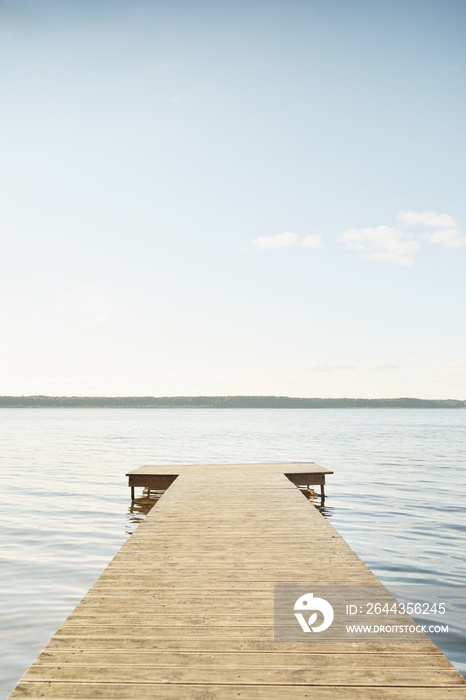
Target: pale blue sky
(212, 197)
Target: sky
(207, 197)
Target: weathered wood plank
(216, 674)
(147, 642)
(274, 659)
(198, 691)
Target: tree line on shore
(218, 402)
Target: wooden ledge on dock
(161, 476)
(185, 610)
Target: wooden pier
(185, 609)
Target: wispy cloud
(448, 233)
(426, 218)
(286, 240)
(381, 243)
(448, 238)
(399, 244)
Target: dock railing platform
(161, 476)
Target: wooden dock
(185, 609)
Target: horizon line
(222, 396)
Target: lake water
(397, 496)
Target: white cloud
(426, 218)
(447, 234)
(399, 244)
(286, 240)
(448, 238)
(384, 243)
(280, 240)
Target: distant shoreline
(219, 402)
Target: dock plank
(210, 691)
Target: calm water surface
(397, 496)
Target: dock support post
(132, 493)
(322, 493)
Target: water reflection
(140, 507)
(317, 501)
(325, 510)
